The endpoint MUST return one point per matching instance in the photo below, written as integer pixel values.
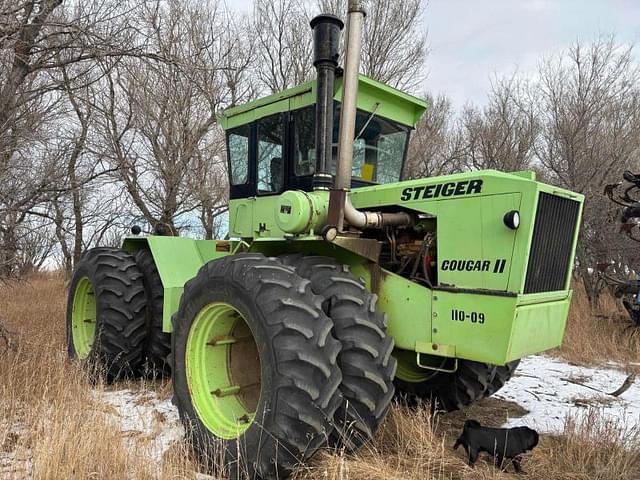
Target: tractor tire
(451, 391)
(255, 370)
(501, 376)
(365, 359)
(106, 313)
(157, 344)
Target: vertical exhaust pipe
(326, 44)
(341, 210)
(356, 14)
(350, 94)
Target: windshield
(378, 150)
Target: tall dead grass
(48, 413)
(601, 334)
(413, 446)
(52, 425)
(591, 448)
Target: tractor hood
(477, 249)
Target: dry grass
(600, 335)
(411, 447)
(591, 448)
(52, 426)
(46, 403)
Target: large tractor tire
(255, 370)
(501, 376)
(157, 345)
(106, 313)
(447, 391)
(365, 359)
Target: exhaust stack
(355, 25)
(326, 44)
(340, 207)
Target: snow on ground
(549, 389)
(149, 424)
(15, 463)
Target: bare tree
(285, 55)
(207, 179)
(38, 37)
(588, 103)
(501, 135)
(394, 48)
(436, 147)
(394, 45)
(38, 40)
(158, 118)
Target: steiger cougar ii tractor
(340, 285)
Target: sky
(471, 41)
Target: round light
(512, 219)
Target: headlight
(512, 219)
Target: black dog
(509, 443)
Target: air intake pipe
(326, 45)
(339, 200)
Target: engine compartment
(411, 252)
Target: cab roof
(386, 101)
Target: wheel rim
(83, 318)
(223, 370)
(408, 370)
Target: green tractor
(340, 285)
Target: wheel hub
(223, 370)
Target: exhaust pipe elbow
(353, 216)
(364, 220)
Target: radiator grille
(555, 225)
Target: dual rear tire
(157, 344)
(114, 315)
(306, 331)
(106, 314)
(365, 359)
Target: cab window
(378, 150)
(270, 154)
(304, 141)
(238, 140)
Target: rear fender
(178, 259)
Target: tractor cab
(271, 141)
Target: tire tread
(368, 369)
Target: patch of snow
(546, 387)
(149, 425)
(15, 461)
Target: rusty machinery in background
(629, 199)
